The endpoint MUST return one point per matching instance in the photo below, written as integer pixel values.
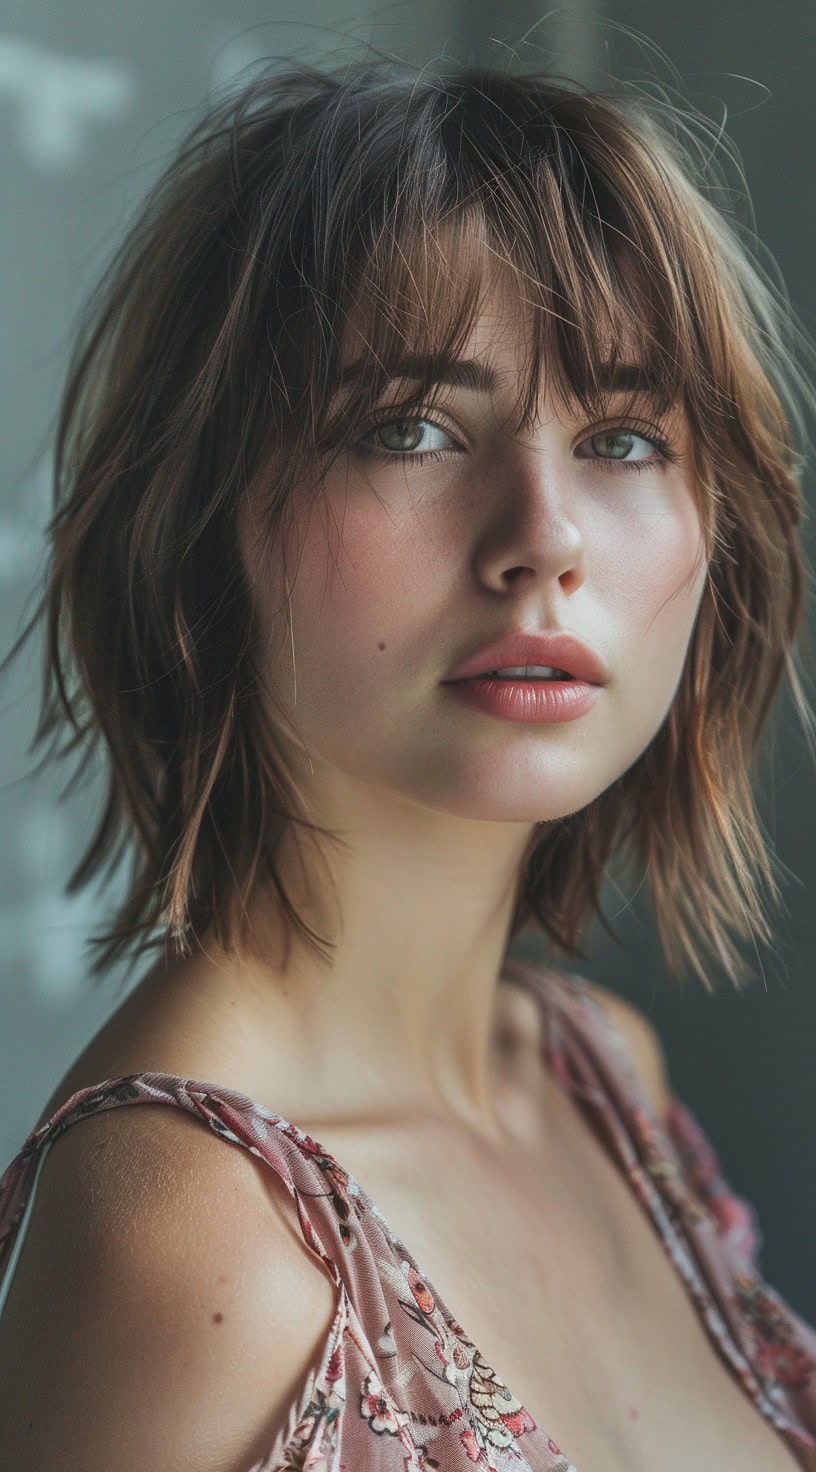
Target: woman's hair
(206, 369)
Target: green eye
(407, 436)
(401, 434)
(616, 445)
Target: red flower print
(778, 1356)
(472, 1449)
(421, 1291)
(334, 1369)
(378, 1409)
(786, 1363)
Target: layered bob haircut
(206, 368)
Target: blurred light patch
(57, 99)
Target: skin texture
(400, 570)
(415, 1063)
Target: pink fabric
(398, 1385)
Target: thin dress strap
(230, 1114)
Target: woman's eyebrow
(459, 372)
(472, 374)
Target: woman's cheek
(354, 598)
(657, 605)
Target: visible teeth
(530, 672)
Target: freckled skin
(390, 576)
(433, 556)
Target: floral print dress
(398, 1386)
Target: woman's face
(410, 562)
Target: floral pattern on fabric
(398, 1385)
(735, 1218)
(780, 1356)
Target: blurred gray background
(92, 99)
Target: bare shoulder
(644, 1044)
(164, 1294)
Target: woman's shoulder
(144, 1219)
(130, 1219)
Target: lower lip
(530, 701)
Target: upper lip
(559, 650)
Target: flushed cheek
(355, 597)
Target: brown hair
(206, 365)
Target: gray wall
(92, 99)
(748, 1064)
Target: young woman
(426, 538)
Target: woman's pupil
(608, 443)
(402, 429)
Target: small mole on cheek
(218, 1318)
(381, 645)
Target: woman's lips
(528, 701)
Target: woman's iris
(402, 430)
(608, 441)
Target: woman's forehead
(458, 311)
(483, 300)
(493, 360)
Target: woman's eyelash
(416, 456)
(666, 455)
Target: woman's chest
(557, 1276)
